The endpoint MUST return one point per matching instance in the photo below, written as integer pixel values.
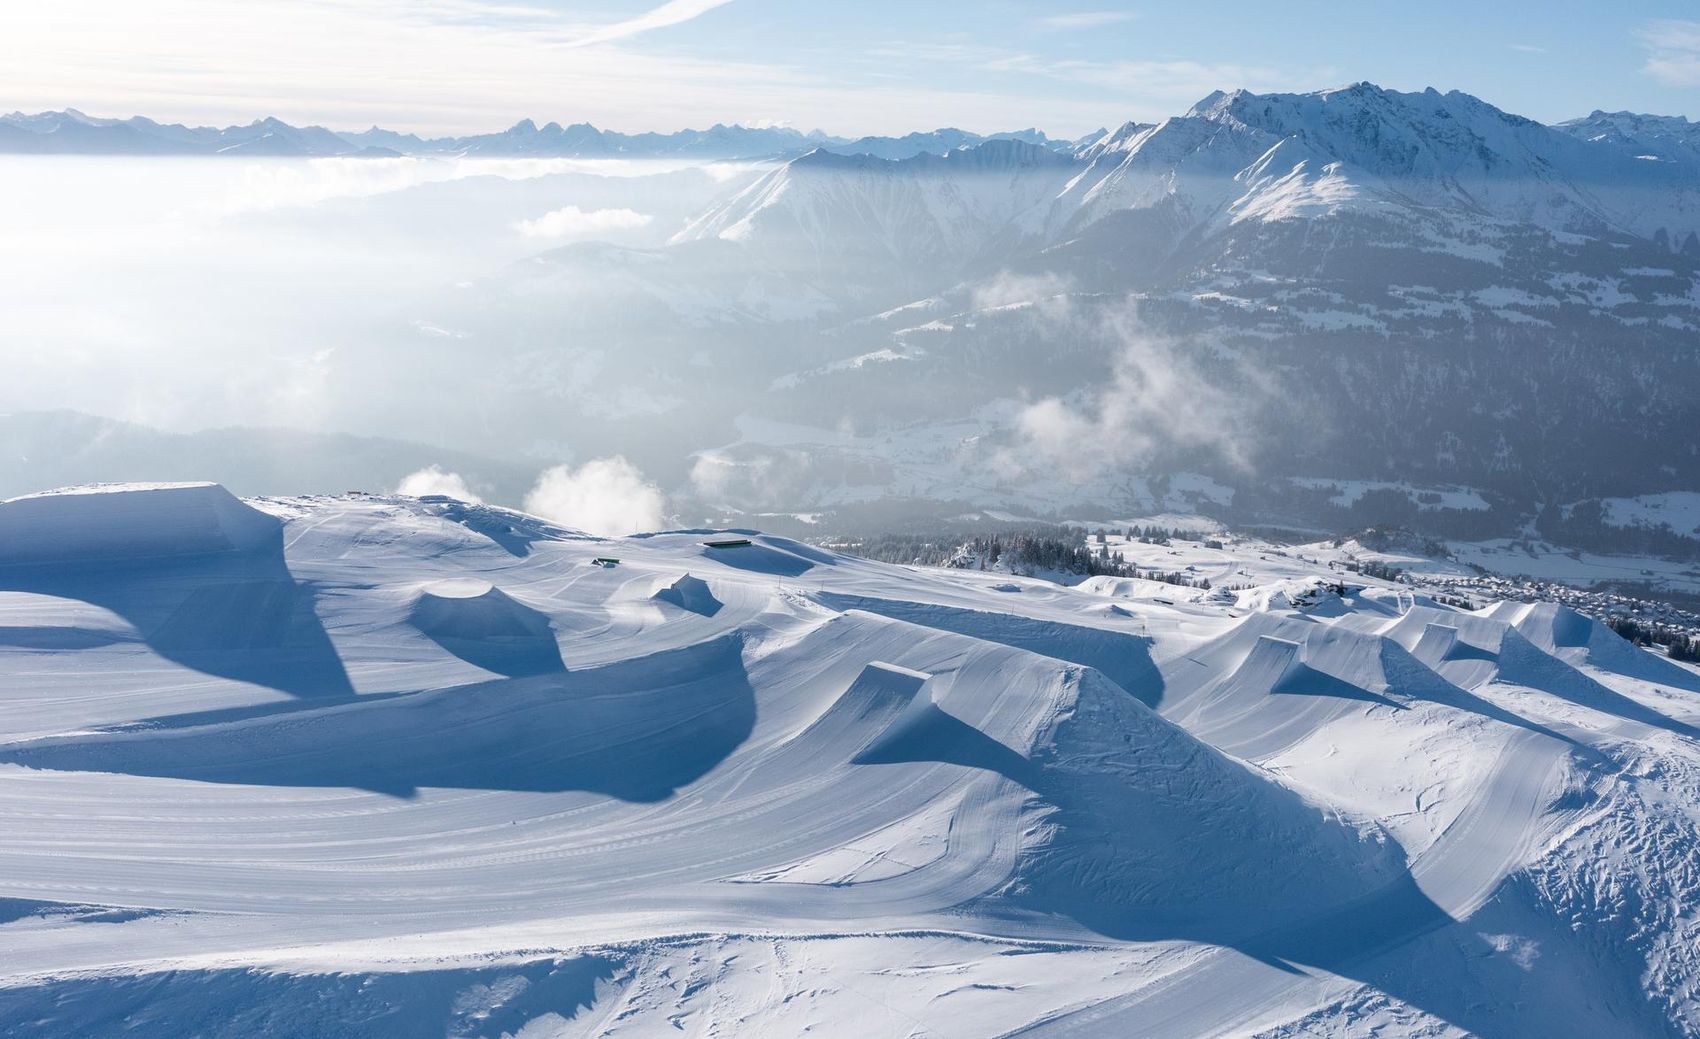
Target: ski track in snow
(766, 787)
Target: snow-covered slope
(1278, 156)
(394, 766)
(942, 212)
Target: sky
(864, 66)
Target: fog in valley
(379, 298)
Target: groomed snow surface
(409, 767)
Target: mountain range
(71, 132)
(1357, 283)
(1255, 300)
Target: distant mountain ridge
(71, 132)
(1653, 137)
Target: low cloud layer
(281, 185)
(607, 496)
(572, 222)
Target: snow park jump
(554, 790)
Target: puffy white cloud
(434, 479)
(571, 222)
(604, 496)
(1157, 398)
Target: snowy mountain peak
(1379, 129)
(1369, 148)
(1120, 139)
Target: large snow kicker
(383, 766)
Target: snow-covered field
(403, 767)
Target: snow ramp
(483, 625)
(691, 594)
(1154, 834)
(1125, 659)
(112, 522)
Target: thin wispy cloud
(1673, 52)
(1528, 48)
(1084, 20)
(674, 12)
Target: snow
(128, 520)
(1680, 510)
(1349, 491)
(1267, 158)
(1501, 296)
(1541, 561)
(404, 766)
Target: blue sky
(872, 66)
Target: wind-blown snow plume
(603, 496)
(570, 221)
(434, 479)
